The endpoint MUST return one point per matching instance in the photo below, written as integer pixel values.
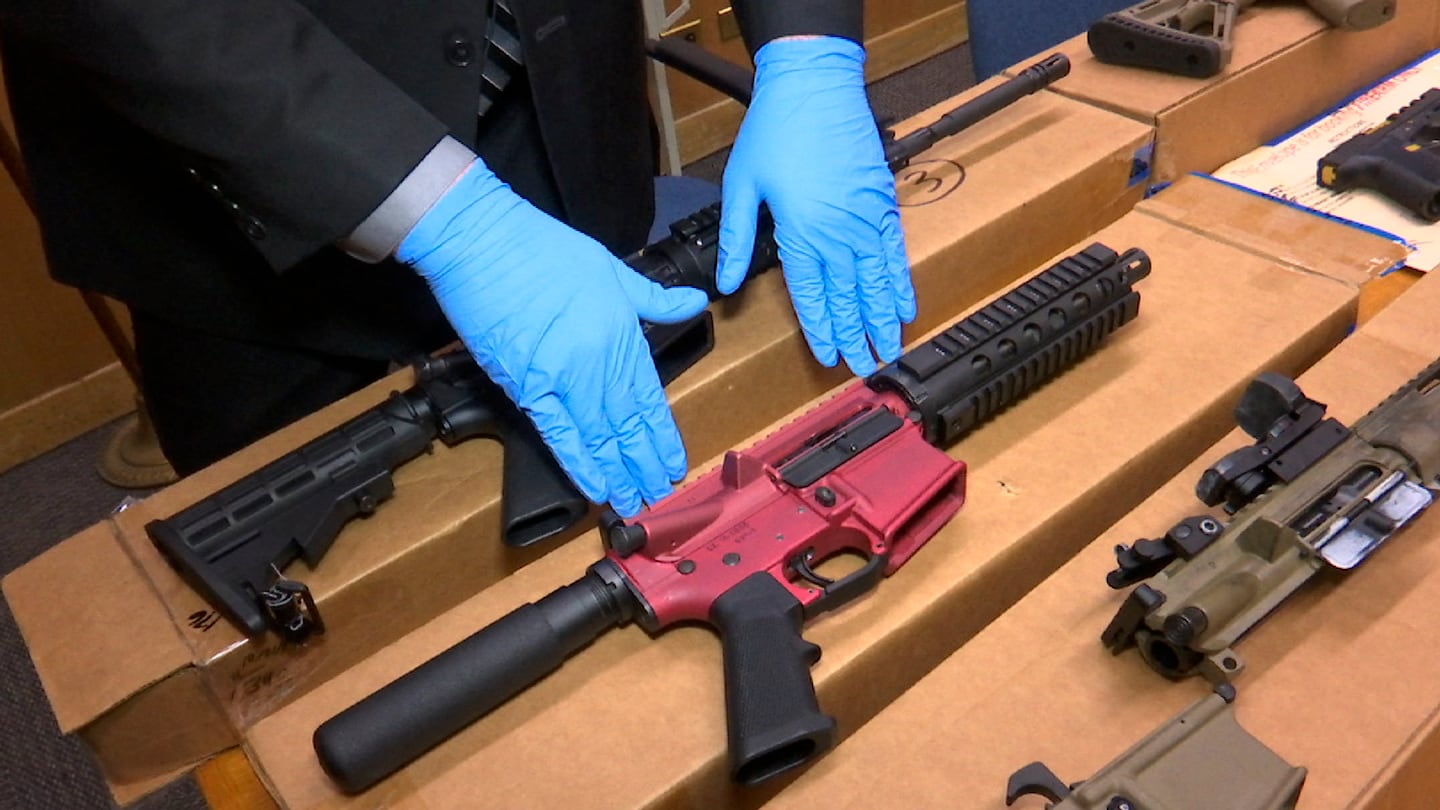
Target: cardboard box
(1341, 678)
(1287, 66)
(1046, 160)
(1267, 227)
(633, 721)
(1286, 169)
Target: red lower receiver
(739, 548)
(854, 475)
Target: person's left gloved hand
(810, 150)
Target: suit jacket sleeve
(764, 20)
(293, 131)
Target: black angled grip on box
(382, 733)
(774, 719)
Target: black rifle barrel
(1030, 80)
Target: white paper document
(1286, 169)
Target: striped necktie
(503, 60)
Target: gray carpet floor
(48, 499)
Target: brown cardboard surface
(633, 721)
(1340, 678)
(1287, 67)
(1045, 160)
(1285, 233)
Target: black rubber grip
(774, 718)
(1413, 191)
(387, 730)
(1120, 39)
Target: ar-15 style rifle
(233, 546)
(1200, 759)
(1194, 37)
(1311, 494)
(740, 548)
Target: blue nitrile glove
(553, 318)
(810, 150)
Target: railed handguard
(740, 547)
(1309, 494)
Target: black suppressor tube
(387, 730)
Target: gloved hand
(553, 318)
(810, 150)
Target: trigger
(802, 567)
(838, 592)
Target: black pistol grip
(773, 716)
(392, 727)
(1418, 194)
(537, 498)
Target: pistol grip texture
(1416, 193)
(774, 718)
(537, 499)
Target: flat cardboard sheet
(1341, 678)
(633, 721)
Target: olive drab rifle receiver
(1309, 495)
(1200, 759)
(1195, 37)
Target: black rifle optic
(233, 546)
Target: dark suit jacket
(199, 161)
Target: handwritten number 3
(922, 177)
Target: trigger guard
(836, 593)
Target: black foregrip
(382, 733)
(228, 545)
(1389, 176)
(774, 718)
(986, 362)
